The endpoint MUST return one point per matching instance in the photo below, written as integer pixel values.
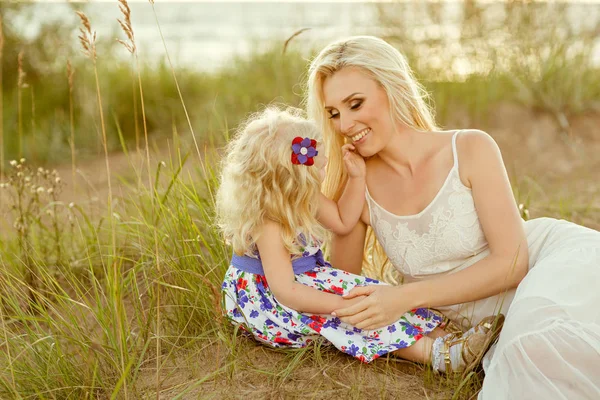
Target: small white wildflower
(50, 191)
(13, 162)
(57, 180)
(22, 160)
(2, 185)
(49, 212)
(40, 189)
(164, 164)
(40, 170)
(27, 179)
(54, 172)
(71, 205)
(19, 174)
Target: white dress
(549, 347)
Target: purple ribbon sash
(300, 265)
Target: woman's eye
(333, 115)
(356, 105)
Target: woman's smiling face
(359, 109)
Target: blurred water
(207, 35)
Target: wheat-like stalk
(20, 85)
(88, 43)
(126, 26)
(1, 100)
(70, 81)
(87, 37)
(131, 47)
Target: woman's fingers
(359, 291)
(360, 319)
(352, 310)
(368, 324)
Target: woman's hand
(383, 306)
(355, 164)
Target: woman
(441, 206)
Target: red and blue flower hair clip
(304, 150)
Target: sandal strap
(453, 339)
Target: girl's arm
(342, 216)
(502, 269)
(346, 252)
(280, 277)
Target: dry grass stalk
(128, 29)
(70, 80)
(1, 38)
(287, 42)
(20, 85)
(126, 26)
(88, 42)
(87, 37)
(1, 102)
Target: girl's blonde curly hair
(259, 182)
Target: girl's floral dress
(249, 303)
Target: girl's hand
(355, 164)
(383, 306)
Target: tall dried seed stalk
(88, 43)
(70, 81)
(20, 86)
(131, 47)
(1, 101)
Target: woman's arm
(482, 166)
(280, 277)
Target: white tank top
(439, 239)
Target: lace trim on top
(437, 239)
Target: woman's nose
(346, 124)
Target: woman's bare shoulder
(475, 148)
(472, 142)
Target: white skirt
(549, 347)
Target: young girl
(278, 286)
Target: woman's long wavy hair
(407, 99)
(259, 182)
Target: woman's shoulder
(478, 154)
(473, 143)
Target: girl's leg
(421, 351)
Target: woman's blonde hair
(407, 100)
(259, 182)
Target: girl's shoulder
(307, 247)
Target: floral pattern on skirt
(249, 303)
